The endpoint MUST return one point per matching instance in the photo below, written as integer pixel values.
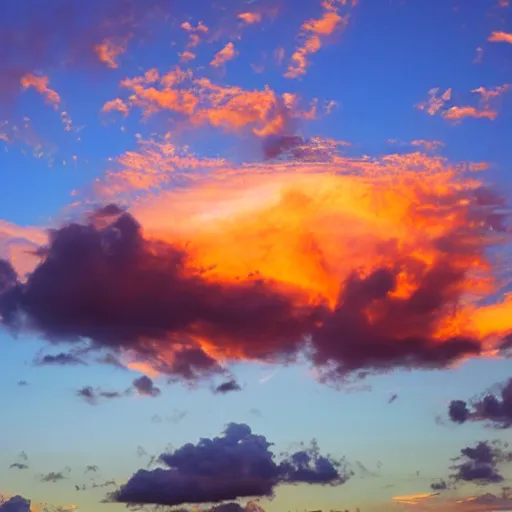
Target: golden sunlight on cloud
(116, 105)
(109, 50)
(40, 84)
(312, 32)
(224, 55)
(250, 17)
(439, 104)
(500, 37)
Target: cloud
(312, 32)
(15, 504)
(18, 465)
(224, 300)
(61, 359)
(197, 102)
(224, 55)
(493, 407)
(116, 105)
(145, 387)
(92, 468)
(52, 477)
(92, 396)
(250, 17)
(500, 37)
(439, 104)
(40, 84)
(23, 383)
(480, 464)
(228, 387)
(235, 465)
(109, 50)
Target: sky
(255, 255)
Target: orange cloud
(187, 56)
(459, 113)
(152, 165)
(224, 55)
(312, 32)
(437, 104)
(109, 50)
(40, 84)
(412, 499)
(500, 37)
(250, 17)
(116, 105)
(195, 33)
(429, 145)
(201, 102)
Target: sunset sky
(230, 219)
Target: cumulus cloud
(235, 465)
(313, 32)
(145, 386)
(15, 504)
(52, 477)
(493, 407)
(228, 387)
(480, 464)
(193, 303)
(40, 84)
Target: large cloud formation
(236, 465)
(495, 408)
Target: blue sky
(376, 64)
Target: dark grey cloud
(22, 383)
(481, 464)
(495, 407)
(61, 359)
(15, 504)
(92, 468)
(440, 485)
(18, 465)
(53, 477)
(93, 396)
(228, 387)
(235, 465)
(145, 386)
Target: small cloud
(52, 477)
(494, 407)
(392, 398)
(18, 465)
(61, 359)
(93, 469)
(227, 387)
(40, 84)
(480, 464)
(145, 387)
(23, 383)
